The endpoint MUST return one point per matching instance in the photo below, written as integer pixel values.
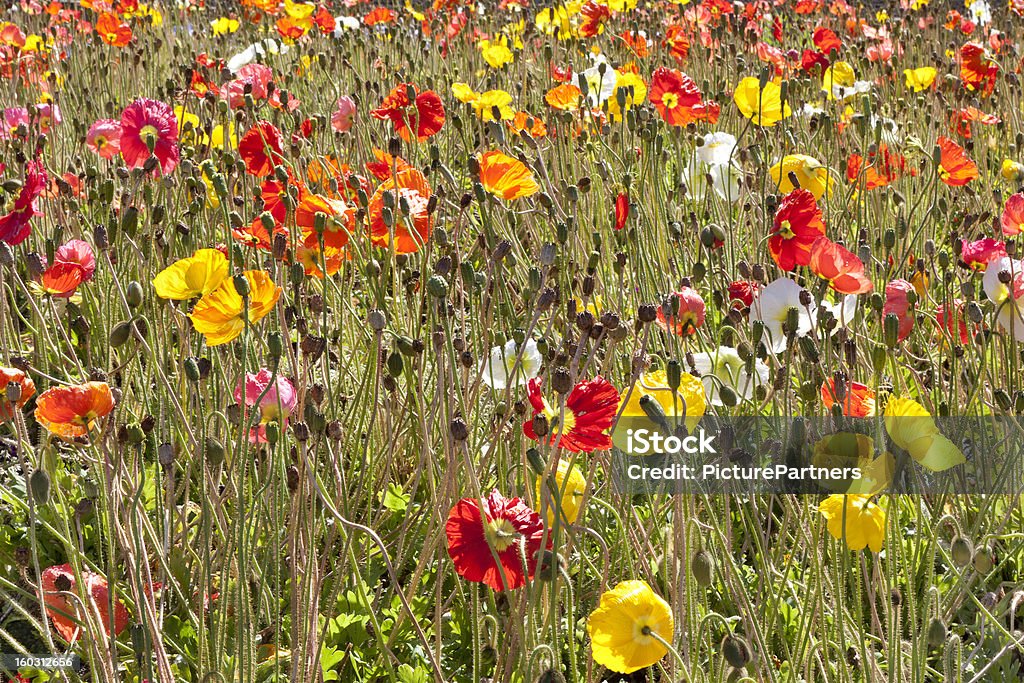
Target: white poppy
(724, 367)
(725, 180)
(772, 305)
(600, 86)
(502, 360)
(1008, 298)
(251, 53)
(343, 23)
(717, 148)
(843, 311)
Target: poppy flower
(148, 123)
(505, 177)
(1011, 170)
(61, 280)
(677, 42)
(621, 210)
(858, 400)
(809, 172)
(772, 307)
(275, 400)
(66, 613)
(488, 546)
(853, 518)
(952, 320)
(344, 114)
(565, 97)
(1003, 283)
(26, 390)
(194, 276)
(511, 365)
(897, 303)
(921, 78)
(677, 98)
(912, 428)
(379, 15)
(260, 149)
(796, 226)
(112, 30)
(826, 40)
(977, 71)
(338, 224)
(104, 138)
(220, 315)
(565, 500)
(1012, 218)
(523, 122)
(685, 313)
(424, 111)
(689, 401)
(812, 61)
(963, 118)
(841, 267)
(763, 107)
(589, 410)
(411, 226)
(743, 291)
(623, 627)
(15, 225)
(955, 167)
(977, 254)
(70, 412)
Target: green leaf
(394, 499)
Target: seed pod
(395, 364)
(241, 285)
(703, 568)
(459, 429)
(214, 452)
(437, 286)
(983, 561)
(192, 369)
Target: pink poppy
(275, 405)
(1012, 219)
(14, 225)
(977, 254)
(344, 114)
(256, 75)
(49, 116)
(13, 117)
(896, 302)
(104, 138)
(145, 122)
(79, 253)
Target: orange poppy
(524, 122)
(955, 167)
(858, 401)
(977, 71)
(113, 31)
(9, 376)
(379, 15)
(61, 280)
(70, 412)
(384, 165)
(505, 177)
(678, 99)
(677, 42)
(412, 227)
(565, 97)
(339, 218)
(841, 267)
(60, 609)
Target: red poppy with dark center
(14, 225)
(424, 112)
(589, 410)
(677, 98)
(796, 226)
(496, 547)
(843, 270)
(955, 167)
(260, 149)
(858, 400)
(66, 612)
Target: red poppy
(677, 42)
(70, 412)
(379, 15)
(411, 229)
(385, 165)
(65, 612)
(14, 225)
(826, 40)
(1012, 219)
(813, 61)
(677, 98)
(743, 291)
(260, 149)
(843, 270)
(425, 111)
(27, 387)
(977, 71)
(955, 167)
(953, 321)
(589, 410)
(688, 315)
(146, 123)
(796, 226)
(976, 255)
(962, 119)
(858, 401)
(897, 303)
(113, 31)
(496, 547)
(884, 168)
(594, 16)
(621, 210)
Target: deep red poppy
(797, 225)
(589, 410)
(15, 225)
(813, 61)
(498, 546)
(425, 111)
(260, 149)
(841, 267)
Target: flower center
(149, 134)
(553, 414)
(500, 534)
(786, 230)
(670, 100)
(642, 629)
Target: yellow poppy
(840, 73)
(190, 277)
(689, 401)
(571, 485)
(849, 450)
(496, 53)
(623, 627)
(855, 519)
(912, 428)
(920, 79)
(810, 174)
(633, 93)
(224, 26)
(762, 107)
(219, 315)
(1012, 170)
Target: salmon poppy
(260, 149)
(496, 545)
(1012, 219)
(113, 31)
(589, 410)
(565, 97)
(220, 316)
(677, 98)
(407, 108)
(841, 267)
(685, 312)
(412, 226)
(26, 390)
(104, 138)
(71, 412)
(977, 71)
(505, 177)
(796, 226)
(621, 210)
(857, 399)
(955, 167)
(148, 124)
(15, 225)
(66, 614)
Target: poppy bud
(275, 345)
(735, 651)
(983, 561)
(134, 294)
(537, 463)
(273, 432)
(192, 369)
(119, 334)
(214, 452)
(39, 484)
(962, 550)
(437, 286)
(703, 568)
(395, 364)
(891, 330)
